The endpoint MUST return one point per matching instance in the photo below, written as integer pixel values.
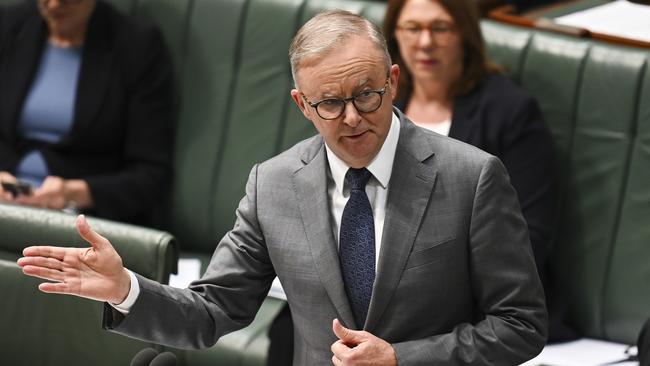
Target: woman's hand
(50, 194)
(6, 196)
(58, 193)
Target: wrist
(124, 287)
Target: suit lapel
(410, 188)
(23, 57)
(95, 72)
(310, 185)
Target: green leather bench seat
(45, 329)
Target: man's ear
(394, 80)
(300, 102)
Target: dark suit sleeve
(225, 299)
(148, 145)
(8, 156)
(528, 158)
(511, 325)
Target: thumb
(348, 336)
(88, 234)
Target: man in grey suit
(394, 245)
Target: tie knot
(357, 178)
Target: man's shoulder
(456, 155)
(295, 157)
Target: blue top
(48, 111)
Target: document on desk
(583, 352)
(189, 269)
(619, 18)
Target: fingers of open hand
(55, 288)
(43, 262)
(44, 273)
(43, 267)
(45, 251)
(49, 263)
(91, 236)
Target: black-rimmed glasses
(365, 102)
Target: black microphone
(164, 359)
(144, 357)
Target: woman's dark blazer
(502, 119)
(121, 138)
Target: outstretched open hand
(96, 272)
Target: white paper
(189, 269)
(583, 352)
(618, 18)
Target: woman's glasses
(441, 31)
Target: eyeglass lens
(365, 102)
(441, 31)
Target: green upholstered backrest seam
(227, 125)
(610, 286)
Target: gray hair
(324, 32)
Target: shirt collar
(381, 165)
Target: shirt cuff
(125, 306)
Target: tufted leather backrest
(595, 99)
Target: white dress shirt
(438, 127)
(338, 193)
(381, 168)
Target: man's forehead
(335, 84)
(353, 55)
(336, 76)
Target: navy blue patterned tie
(357, 245)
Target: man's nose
(351, 116)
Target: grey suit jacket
(456, 282)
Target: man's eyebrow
(330, 94)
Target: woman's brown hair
(475, 61)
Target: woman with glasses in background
(86, 113)
(448, 85)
